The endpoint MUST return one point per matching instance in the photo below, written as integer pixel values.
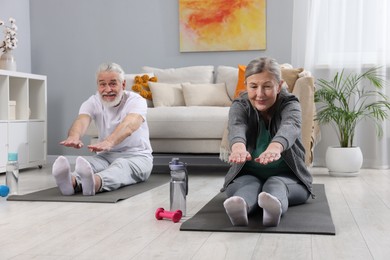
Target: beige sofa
(190, 107)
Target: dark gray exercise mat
(53, 194)
(312, 217)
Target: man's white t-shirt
(108, 118)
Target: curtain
(331, 35)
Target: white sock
(84, 170)
(236, 209)
(62, 176)
(272, 209)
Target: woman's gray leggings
(287, 188)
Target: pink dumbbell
(175, 215)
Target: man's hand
(101, 146)
(72, 142)
(239, 154)
(76, 131)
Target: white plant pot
(344, 161)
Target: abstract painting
(222, 25)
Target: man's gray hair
(111, 67)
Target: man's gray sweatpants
(118, 169)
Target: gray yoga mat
(313, 217)
(53, 194)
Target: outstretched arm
(239, 153)
(128, 126)
(77, 130)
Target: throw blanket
(224, 150)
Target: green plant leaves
(347, 99)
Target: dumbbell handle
(174, 215)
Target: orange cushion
(241, 81)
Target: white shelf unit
(23, 121)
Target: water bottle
(178, 185)
(12, 173)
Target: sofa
(188, 107)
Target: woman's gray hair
(262, 64)
(111, 67)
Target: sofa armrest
(304, 90)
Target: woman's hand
(239, 154)
(271, 154)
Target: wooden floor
(360, 209)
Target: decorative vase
(344, 161)
(7, 61)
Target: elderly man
(123, 151)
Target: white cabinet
(23, 113)
(36, 141)
(3, 143)
(17, 140)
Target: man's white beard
(113, 103)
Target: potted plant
(344, 102)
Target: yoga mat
(312, 217)
(54, 194)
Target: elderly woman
(267, 154)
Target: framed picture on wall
(222, 25)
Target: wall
(71, 38)
(20, 10)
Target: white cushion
(187, 145)
(187, 122)
(228, 75)
(194, 74)
(166, 95)
(205, 95)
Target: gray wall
(69, 39)
(20, 10)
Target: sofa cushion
(229, 76)
(240, 86)
(206, 95)
(193, 74)
(167, 95)
(186, 146)
(199, 122)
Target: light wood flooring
(360, 208)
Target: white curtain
(331, 35)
